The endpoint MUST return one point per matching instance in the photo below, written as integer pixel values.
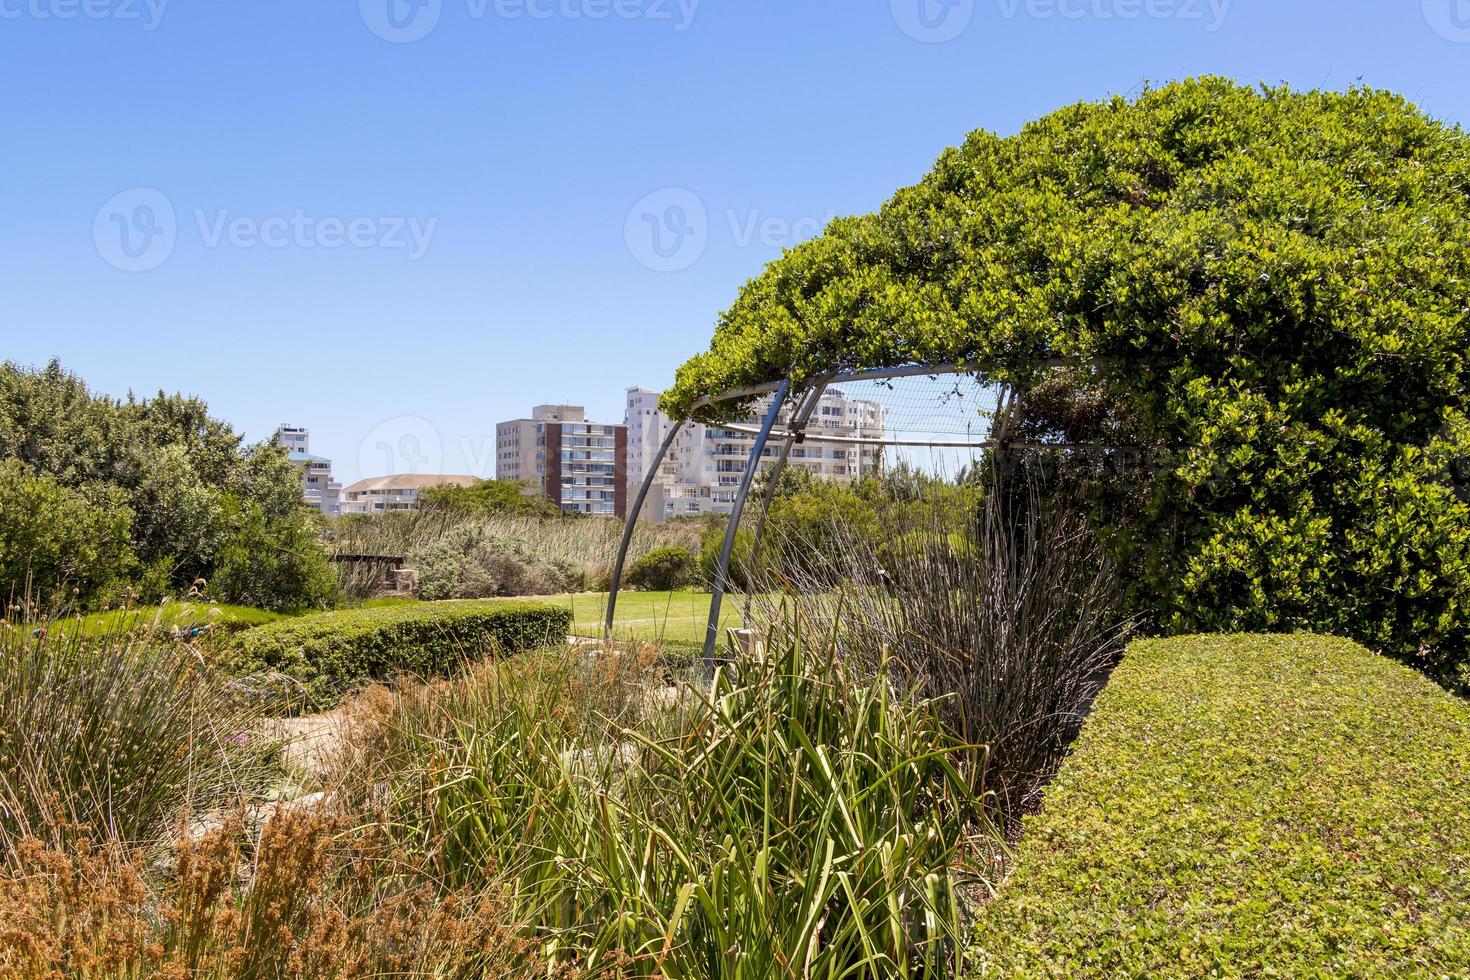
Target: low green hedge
(1248, 806)
(330, 653)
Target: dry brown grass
(312, 895)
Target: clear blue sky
(534, 147)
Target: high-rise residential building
(702, 472)
(395, 494)
(581, 465)
(317, 486)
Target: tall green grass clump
(790, 820)
(114, 736)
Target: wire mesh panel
(843, 429)
(937, 422)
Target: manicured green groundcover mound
(1287, 806)
(331, 653)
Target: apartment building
(579, 464)
(395, 494)
(318, 487)
(703, 469)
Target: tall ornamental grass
(1007, 609)
(115, 735)
(790, 820)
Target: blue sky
(420, 219)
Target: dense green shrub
(146, 497)
(327, 654)
(663, 569)
(1248, 806)
(50, 535)
(1265, 293)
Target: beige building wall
(703, 470)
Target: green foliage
(789, 822)
(50, 534)
(329, 653)
(1264, 292)
(264, 563)
(115, 734)
(741, 557)
(490, 497)
(808, 515)
(1248, 806)
(109, 497)
(663, 569)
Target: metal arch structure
(793, 433)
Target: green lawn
(174, 615)
(678, 617)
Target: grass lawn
(678, 617)
(174, 615)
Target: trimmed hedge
(330, 653)
(1248, 806)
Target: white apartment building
(703, 469)
(317, 486)
(395, 494)
(580, 465)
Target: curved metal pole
(722, 571)
(632, 525)
(796, 432)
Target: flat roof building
(396, 494)
(580, 465)
(318, 488)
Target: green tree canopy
(1265, 291)
(490, 497)
(145, 496)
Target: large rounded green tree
(1265, 290)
